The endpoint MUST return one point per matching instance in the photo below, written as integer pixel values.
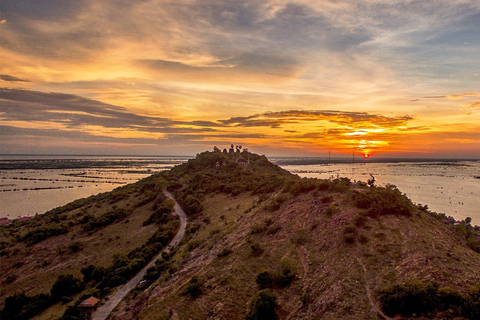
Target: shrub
(285, 275)
(194, 288)
(326, 199)
(22, 307)
(257, 250)
(156, 271)
(360, 220)
(299, 238)
(381, 201)
(225, 252)
(332, 209)
(413, 297)
(265, 280)
(65, 286)
(74, 246)
(72, 313)
(274, 229)
(349, 237)
(262, 306)
(44, 232)
(258, 228)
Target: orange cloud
(462, 95)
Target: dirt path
(369, 293)
(104, 311)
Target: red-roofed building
(89, 306)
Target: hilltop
(261, 243)
(261, 238)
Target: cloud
(75, 112)
(6, 77)
(353, 65)
(242, 67)
(277, 119)
(462, 95)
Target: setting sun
(183, 77)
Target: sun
(366, 156)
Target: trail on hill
(104, 311)
(377, 310)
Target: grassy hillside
(87, 247)
(265, 244)
(261, 243)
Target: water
(32, 184)
(57, 180)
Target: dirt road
(104, 311)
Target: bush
(285, 275)
(332, 209)
(74, 246)
(257, 250)
(42, 233)
(360, 220)
(194, 288)
(66, 286)
(349, 237)
(265, 280)
(72, 313)
(408, 299)
(262, 306)
(258, 228)
(156, 271)
(381, 201)
(22, 307)
(349, 233)
(225, 252)
(413, 297)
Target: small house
(88, 306)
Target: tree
(371, 181)
(65, 286)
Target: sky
(383, 78)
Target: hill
(261, 243)
(261, 238)
(85, 248)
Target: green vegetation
(465, 229)
(194, 288)
(414, 298)
(66, 286)
(127, 265)
(382, 201)
(84, 227)
(262, 306)
(22, 307)
(349, 233)
(280, 279)
(260, 243)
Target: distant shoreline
(36, 161)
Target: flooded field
(33, 186)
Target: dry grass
(333, 277)
(37, 267)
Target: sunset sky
(304, 77)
